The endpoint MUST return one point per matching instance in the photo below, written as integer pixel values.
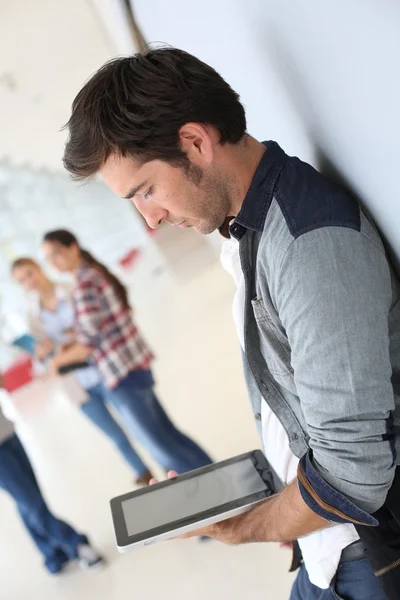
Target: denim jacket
(322, 334)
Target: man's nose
(154, 215)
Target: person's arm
(44, 345)
(87, 306)
(43, 348)
(333, 295)
(283, 518)
(75, 353)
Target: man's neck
(244, 162)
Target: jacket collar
(259, 196)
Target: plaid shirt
(103, 323)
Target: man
(57, 541)
(317, 307)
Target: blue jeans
(96, 410)
(135, 400)
(56, 540)
(353, 581)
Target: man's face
(162, 193)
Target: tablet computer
(191, 501)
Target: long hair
(67, 239)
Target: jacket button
(257, 417)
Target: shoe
(89, 559)
(144, 479)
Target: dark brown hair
(135, 106)
(67, 239)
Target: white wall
(47, 50)
(321, 78)
(114, 21)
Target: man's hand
(282, 518)
(229, 531)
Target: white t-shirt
(322, 549)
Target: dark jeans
(353, 581)
(96, 410)
(56, 540)
(135, 400)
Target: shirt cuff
(324, 500)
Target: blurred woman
(51, 319)
(106, 332)
(58, 542)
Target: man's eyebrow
(135, 190)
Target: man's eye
(148, 194)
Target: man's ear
(197, 143)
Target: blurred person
(106, 332)
(317, 306)
(51, 318)
(58, 542)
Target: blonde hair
(24, 261)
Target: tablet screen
(191, 496)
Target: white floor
(188, 322)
